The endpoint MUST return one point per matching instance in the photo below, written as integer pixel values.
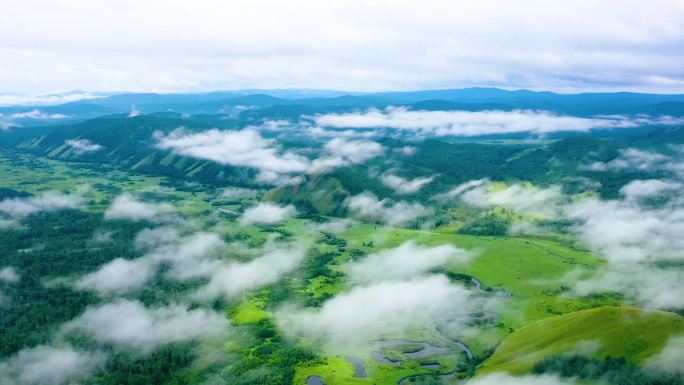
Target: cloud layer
(468, 123)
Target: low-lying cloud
(49, 201)
(82, 146)
(468, 123)
(243, 148)
(189, 257)
(501, 378)
(405, 186)
(126, 207)
(516, 197)
(671, 358)
(405, 261)
(382, 308)
(342, 152)
(266, 213)
(247, 148)
(9, 275)
(235, 278)
(130, 323)
(49, 365)
(368, 207)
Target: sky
(193, 46)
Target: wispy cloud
(382, 308)
(127, 207)
(467, 123)
(49, 201)
(130, 323)
(247, 148)
(83, 145)
(405, 186)
(406, 261)
(50, 365)
(367, 206)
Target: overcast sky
(199, 45)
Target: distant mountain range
(287, 103)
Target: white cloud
(245, 148)
(671, 358)
(118, 276)
(49, 365)
(641, 189)
(35, 114)
(516, 197)
(633, 159)
(382, 308)
(639, 244)
(461, 188)
(624, 232)
(342, 152)
(189, 257)
(49, 201)
(368, 206)
(468, 123)
(235, 278)
(358, 45)
(130, 323)
(404, 186)
(125, 206)
(83, 145)
(9, 275)
(507, 379)
(266, 213)
(405, 261)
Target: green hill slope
(633, 333)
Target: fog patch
(501, 378)
(460, 189)
(127, 207)
(671, 358)
(119, 276)
(404, 186)
(368, 207)
(234, 278)
(50, 201)
(343, 152)
(81, 146)
(243, 148)
(130, 323)
(519, 198)
(189, 257)
(9, 275)
(50, 365)
(643, 189)
(266, 213)
(384, 308)
(405, 261)
(334, 226)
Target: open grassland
(633, 333)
